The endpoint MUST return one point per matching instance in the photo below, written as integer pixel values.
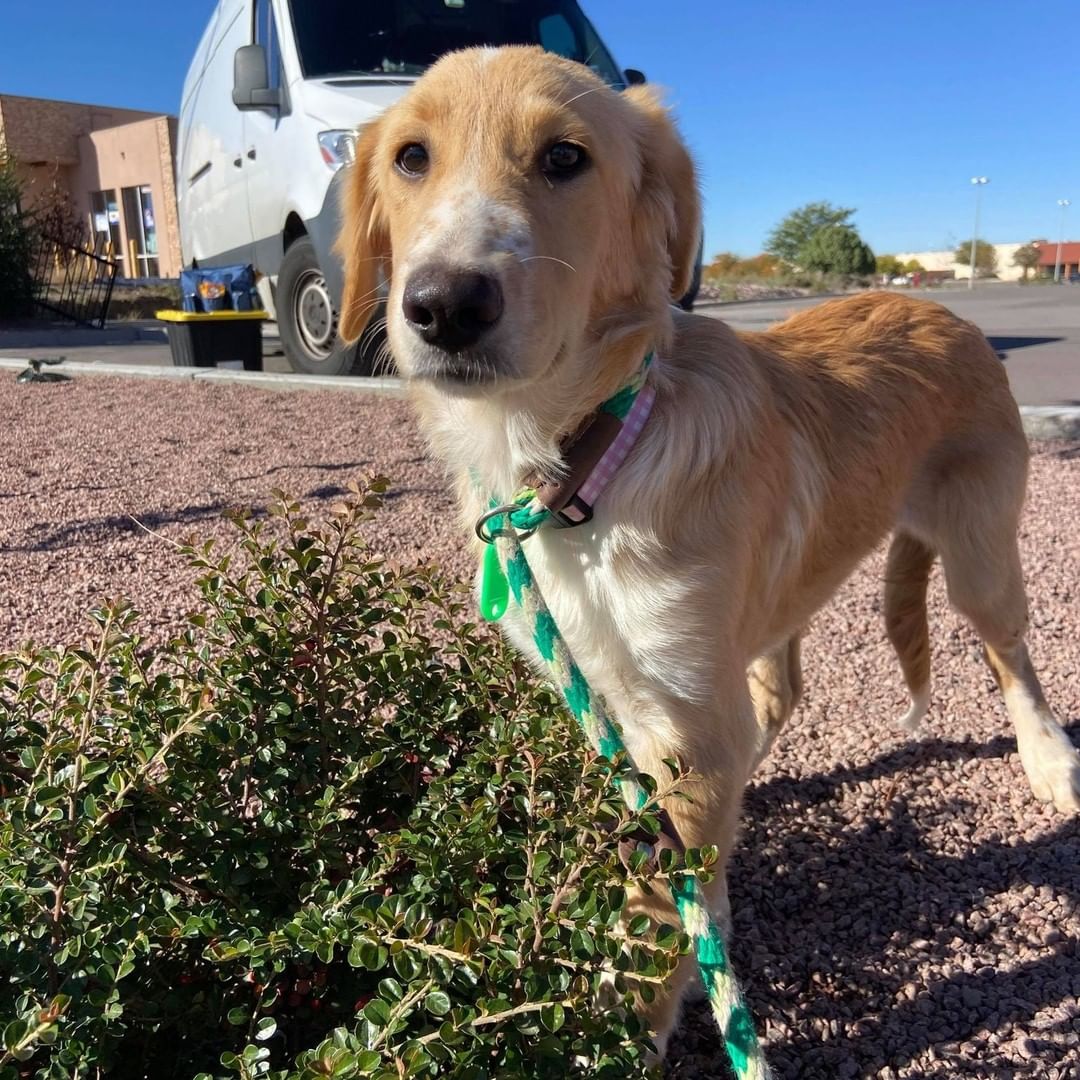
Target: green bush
(334, 829)
(16, 286)
(839, 250)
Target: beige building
(937, 261)
(112, 168)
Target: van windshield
(403, 37)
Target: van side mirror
(634, 77)
(251, 80)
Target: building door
(141, 231)
(105, 212)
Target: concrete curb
(1051, 421)
(386, 385)
(1040, 421)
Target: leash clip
(500, 511)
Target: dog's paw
(920, 706)
(1052, 765)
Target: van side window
(266, 35)
(557, 36)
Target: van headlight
(337, 148)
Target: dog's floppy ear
(667, 217)
(364, 241)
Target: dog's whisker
(359, 306)
(549, 258)
(591, 90)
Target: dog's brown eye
(412, 159)
(564, 159)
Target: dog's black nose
(452, 309)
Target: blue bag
(219, 288)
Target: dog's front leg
(718, 749)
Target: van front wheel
(308, 322)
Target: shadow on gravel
(44, 538)
(306, 466)
(864, 944)
(1005, 345)
(97, 530)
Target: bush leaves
(334, 829)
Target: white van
(270, 101)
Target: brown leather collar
(581, 451)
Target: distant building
(113, 167)
(940, 263)
(1048, 254)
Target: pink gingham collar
(591, 456)
(579, 508)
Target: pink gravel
(903, 908)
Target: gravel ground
(902, 908)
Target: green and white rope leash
(506, 571)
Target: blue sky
(889, 108)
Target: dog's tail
(906, 576)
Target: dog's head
(517, 205)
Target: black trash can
(231, 339)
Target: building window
(141, 231)
(106, 224)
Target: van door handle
(238, 161)
(251, 153)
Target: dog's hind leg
(776, 685)
(907, 573)
(976, 534)
(999, 615)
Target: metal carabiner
(499, 511)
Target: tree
(763, 265)
(16, 286)
(913, 266)
(789, 238)
(1028, 257)
(985, 257)
(837, 249)
(723, 265)
(889, 266)
(727, 266)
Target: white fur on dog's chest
(625, 631)
(576, 585)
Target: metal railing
(73, 281)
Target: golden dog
(534, 226)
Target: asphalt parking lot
(1035, 330)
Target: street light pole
(978, 181)
(1064, 204)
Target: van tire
(307, 320)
